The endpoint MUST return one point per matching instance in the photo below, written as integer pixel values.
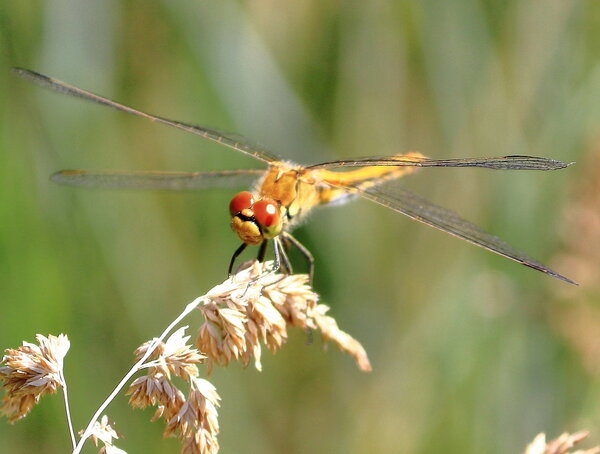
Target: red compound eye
(241, 201)
(266, 213)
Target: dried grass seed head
(103, 431)
(255, 307)
(173, 356)
(196, 423)
(30, 371)
(156, 389)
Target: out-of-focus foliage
(471, 353)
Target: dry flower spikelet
(344, 341)
(255, 307)
(196, 422)
(103, 431)
(193, 420)
(30, 371)
(174, 356)
(560, 445)
(156, 389)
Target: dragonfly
(285, 192)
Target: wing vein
(420, 209)
(229, 140)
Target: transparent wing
(232, 141)
(175, 181)
(499, 163)
(419, 209)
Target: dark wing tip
(539, 163)
(556, 164)
(549, 272)
(33, 76)
(27, 73)
(562, 278)
(58, 177)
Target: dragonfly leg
(305, 252)
(262, 251)
(284, 259)
(280, 261)
(235, 255)
(277, 254)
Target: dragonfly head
(255, 220)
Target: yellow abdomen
(298, 190)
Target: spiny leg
(284, 259)
(278, 253)
(235, 255)
(280, 260)
(305, 252)
(262, 251)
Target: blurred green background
(471, 353)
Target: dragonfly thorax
(255, 220)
